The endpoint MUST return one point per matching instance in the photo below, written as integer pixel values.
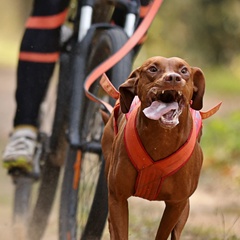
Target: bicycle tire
(22, 192)
(28, 224)
(30, 217)
(55, 156)
(106, 43)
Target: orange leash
(127, 47)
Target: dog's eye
(184, 70)
(152, 69)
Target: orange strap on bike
(127, 47)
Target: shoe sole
(18, 163)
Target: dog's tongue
(158, 109)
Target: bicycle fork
(80, 53)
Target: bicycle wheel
(83, 209)
(55, 156)
(33, 204)
(28, 224)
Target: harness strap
(210, 112)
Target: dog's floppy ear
(128, 90)
(198, 89)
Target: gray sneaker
(20, 149)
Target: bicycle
(77, 127)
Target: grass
(210, 233)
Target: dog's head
(164, 86)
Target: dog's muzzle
(166, 106)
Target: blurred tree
(206, 31)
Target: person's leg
(39, 51)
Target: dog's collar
(152, 173)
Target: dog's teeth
(162, 91)
(180, 93)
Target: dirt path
(215, 206)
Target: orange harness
(152, 173)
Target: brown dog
(167, 89)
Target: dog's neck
(153, 134)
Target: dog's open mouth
(166, 107)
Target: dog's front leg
(176, 233)
(118, 218)
(173, 220)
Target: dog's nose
(172, 77)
